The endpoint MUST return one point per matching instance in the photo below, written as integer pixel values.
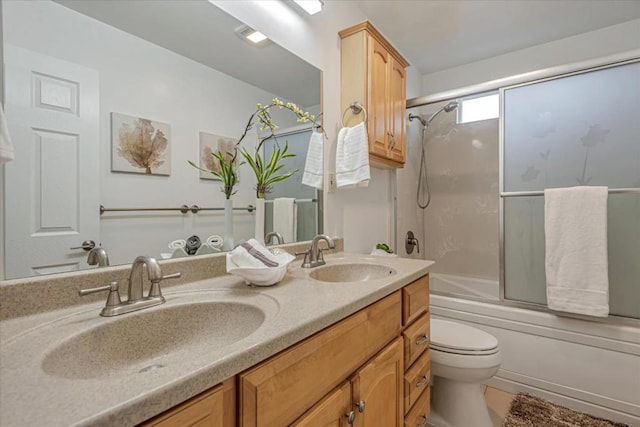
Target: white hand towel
(352, 157)
(313, 167)
(285, 218)
(575, 227)
(6, 147)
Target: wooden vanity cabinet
(370, 369)
(373, 73)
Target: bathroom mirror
(180, 76)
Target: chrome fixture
(87, 245)
(410, 241)
(423, 163)
(98, 256)
(135, 300)
(313, 257)
(269, 238)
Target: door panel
(330, 411)
(379, 385)
(52, 191)
(378, 97)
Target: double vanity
(347, 340)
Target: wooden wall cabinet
(370, 369)
(373, 73)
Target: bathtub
(588, 366)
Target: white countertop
(297, 307)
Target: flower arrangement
(267, 172)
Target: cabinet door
(397, 104)
(379, 385)
(378, 95)
(332, 411)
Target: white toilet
(462, 359)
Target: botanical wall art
(140, 145)
(209, 144)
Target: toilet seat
(456, 338)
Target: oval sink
(130, 340)
(351, 272)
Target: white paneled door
(52, 189)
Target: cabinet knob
(360, 406)
(422, 422)
(351, 416)
(423, 382)
(422, 340)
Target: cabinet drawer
(214, 408)
(281, 389)
(415, 300)
(416, 339)
(418, 415)
(416, 380)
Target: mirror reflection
(106, 105)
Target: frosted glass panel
(524, 252)
(576, 130)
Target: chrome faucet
(135, 300)
(269, 238)
(314, 257)
(98, 256)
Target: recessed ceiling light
(310, 6)
(256, 36)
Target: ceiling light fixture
(249, 34)
(310, 6)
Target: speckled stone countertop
(47, 378)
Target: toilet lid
(458, 338)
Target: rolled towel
(252, 254)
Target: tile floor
(498, 402)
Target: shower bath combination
(451, 106)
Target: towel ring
(357, 108)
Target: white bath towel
(6, 146)
(285, 218)
(352, 157)
(575, 227)
(313, 167)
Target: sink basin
(351, 272)
(136, 340)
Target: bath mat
(531, 411)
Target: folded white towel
(352, 157)
(575, 226)
(6, 147)
(313, 167)
(253, 254)
(285, 218)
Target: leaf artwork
(142, 145)
(225, 147)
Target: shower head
(450, 107)
(447, 108)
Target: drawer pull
(423, 422)
(351, 416)
(424, 339)
(360, 406)
(423, 382)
